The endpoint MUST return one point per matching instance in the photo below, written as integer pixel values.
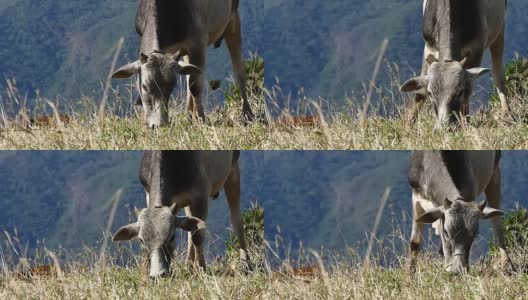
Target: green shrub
(253, 220)
(516, 74)
(254, 86)
(516, 228)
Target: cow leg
(232, 190)
(497, 56)
(199, 209)
(494, 201)
(190, 104)
(233, 37)
(195, 83)
(191, 253)
(416, 234)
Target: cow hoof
(507, 267)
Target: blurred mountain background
(320, 198)
(65, 48)
(329, 49)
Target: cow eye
(144, 86)
(446, 234)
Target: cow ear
(187, 69)
(431, 216)
(126, 233)
(190, 224)
(127, 70)
(489, 213)
(477, 72)
(416, 85)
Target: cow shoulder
(466, 21)
(141, 16)
(416, 170)
(498, 155)
(430, 22)
(174, 22)
(456, 163)
(180, 169)
(145, 169)
(236, 156)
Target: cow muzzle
(458, 265)
(159, 267)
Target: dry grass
(82, 277)
(80, 124)
(132, 283)
(385, 126)
(339, 131)
(351, 279)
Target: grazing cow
(444, 185)
(170, 30)
(456, 34)
(178, 179)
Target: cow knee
(416, 246)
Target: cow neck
(157, 183)
(446, 40)
(150, 39)
(461, 27)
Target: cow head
(157, 80)
(155, 229)
(459, 224)
(448, 85)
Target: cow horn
(174, 208)
(463, 62)
(447, 203)
(482, 205)
(177, 56)
(137, 211)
